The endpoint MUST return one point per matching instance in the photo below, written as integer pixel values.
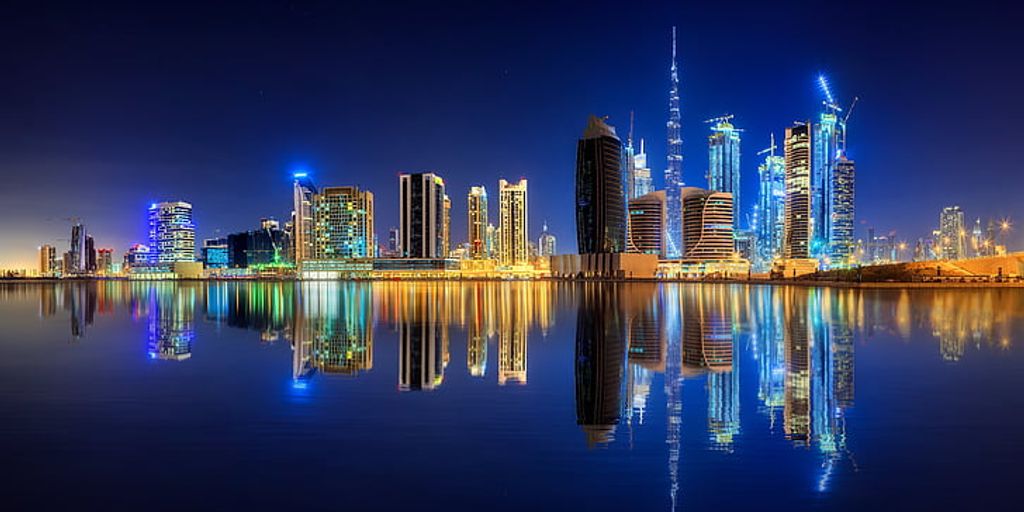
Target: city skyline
(108, 199)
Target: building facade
(951, 233)
(707, 224)
(76, 253)
(48, 266)
(421, 219)
(303, 196)
(799, 226)
(770, 216)
(647, 224)
(476, 222)
(513, 219)
(600, 198)
(343, 223)
(724, 161)
(674, 169)
(172, 234)
(547, 244)
(842, 241)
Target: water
(508, 396)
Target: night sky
(106, 108)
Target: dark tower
(600, 198)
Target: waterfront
(509, 395)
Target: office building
(215, 253)
(841, 213)
(171, 232)
(343, 223)
(76, 258)
(513, 223)
(446, 233)
(641, 181)
(770, 215)
(104, 261)
(600, 198)
(48, 266)
(303, 195)
(674, 170)
(798, 226)
(137, 255)
(707, 224)
(647, 224)
(421, 208)
(90, 255)
(724, 161)
(952, 234)
(546, 243)
(476, 222)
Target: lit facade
(674, 170)
(422, 214)
(842, 241)
(446, 230)
(600, 198)
(770, 212)
(647, 224)
(303, 196)
(343, 223)
(172, 235)
(76, 253)
(48, 265)
(799, 226)
(707, 224)
(476, 207)
(513, 219)
(952, 234)
(724, 162)
(547, 244)
(642, 184)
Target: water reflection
(794, 348)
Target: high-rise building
(770, 216)
(674, 170)
(826, 136)
(90, 254)
(446, 242)
(600, 199)
(304, 193)
(137, 254)
(799, 226)
(215, 253)
(641, 173)
(513, 223)
(841, 213)
(48, 261)
(546, 243)
(172, 235)
(647, 224)
(77, 250)
(707, 224)
(394, 243)
(951, 231)
(421, 227)
(104, 260)
(476, 207)
(343, 223)
(724, 161)
(493, 241)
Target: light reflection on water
(775, 365)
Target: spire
(629, 139)
(673, 48)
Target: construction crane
(719, 119)
(770, 149)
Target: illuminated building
(512, 331)
(798, 226)
(492, 240)
(171, 324)
(172, 235)
(446, 232)
(340, 317)
(674, 170)
(215, 253)
(138, 254)
(796, 408)
(599, 363)
(642, 184)
(707, 224)
(90, 255)
(547, 243)
(513, 223)
(48, 261)
(76, 258)
(826, 134)
(770, 216)
(394, 246)
(104, 261)
(476, 346)
(647, 224)
(421, 227)
(600, 198)
(951, 231)
(724, 162)
(421, 354)
(841, 213)
(343, 223)
(476, 206)
(303, 194)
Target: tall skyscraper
(799, 226)
(422, 215)
(629, 160)
(724, 161)
(513, 219)
(446, 233)
(770, 213)
(476, 222)
(77, 250)
(48, 261)
(546, 243)
(707, 224)
(951, 231)
(841, 213)
(600, 198)
(172, 235)
(826, 148)
(343, 223)
(304, 192)
(90, 254)
(674, 170)
(641, 173)
(647, 224)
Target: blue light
(299, 384)
(152, 206)
(823, 83)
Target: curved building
(707, 224)
(600, 197)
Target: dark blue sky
(109, 107)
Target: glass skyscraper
(513, 223)
(422, 213)
(724, 162)
(798, 224)
(343, 224)
(600, 198)
(476, 206)
(172, 235)
(770, 212)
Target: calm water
(509, 396)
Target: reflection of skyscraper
(769, 350)
(476, 346)
(796, 411)
(512, 340)
(339, 319)
(171, 324)
(421, 352)
(708, 346)
(599, 358)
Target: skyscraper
(770, 212)
(707, 224)
(826, 147)
(476, 207)
(304, 192)
(641, 173)
(724, 161)
(674, 170)
(951, 231)
(172, 235)
(48, 261)
(841, 213)
(343, 223)
(90, 254)
(77, 250)
(513, 219)
(546, 243)
(446, 232)
(798, 226)
(647, 224)
(422, 215)
(600, 199)
(104, 260)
